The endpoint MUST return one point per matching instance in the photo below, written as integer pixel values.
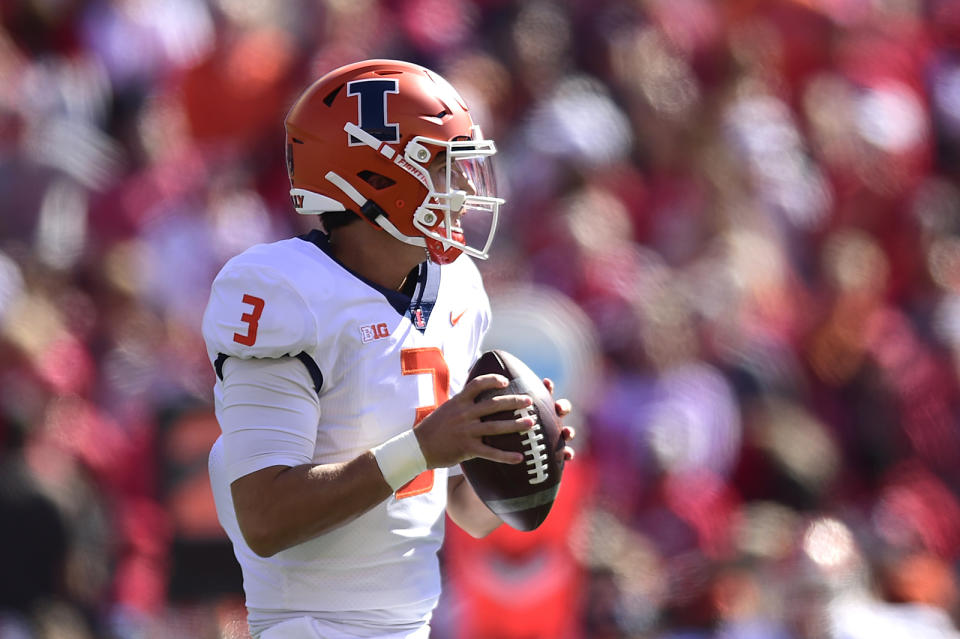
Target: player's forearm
(467, 511)
(280, 506)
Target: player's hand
(453, 432)
(563, 408)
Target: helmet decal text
(372, 108)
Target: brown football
(520, 494)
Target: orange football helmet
(395, 143)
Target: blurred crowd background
(741, 224)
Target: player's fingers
(482, 383)
(508, 403)
(503, 426)
(569, 453)
(549, 384)
(568, 433)
(563, 407)
(497, 455)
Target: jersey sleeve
(254, 311)
(268, 412)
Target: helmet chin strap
(367, 206)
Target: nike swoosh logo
(454, 320)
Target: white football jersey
(380, 362)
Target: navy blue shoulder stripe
(304, 358)
(313, 369)
(218, 364)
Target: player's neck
(374, 254)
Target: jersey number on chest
(417, 361)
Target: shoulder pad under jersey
(255, 311)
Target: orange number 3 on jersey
(415, 361)
(252, 320)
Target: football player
(341, 359)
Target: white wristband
(400, 459)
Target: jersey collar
(416, 307)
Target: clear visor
(475, 223)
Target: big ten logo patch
(371, 332)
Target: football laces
(534, 449)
